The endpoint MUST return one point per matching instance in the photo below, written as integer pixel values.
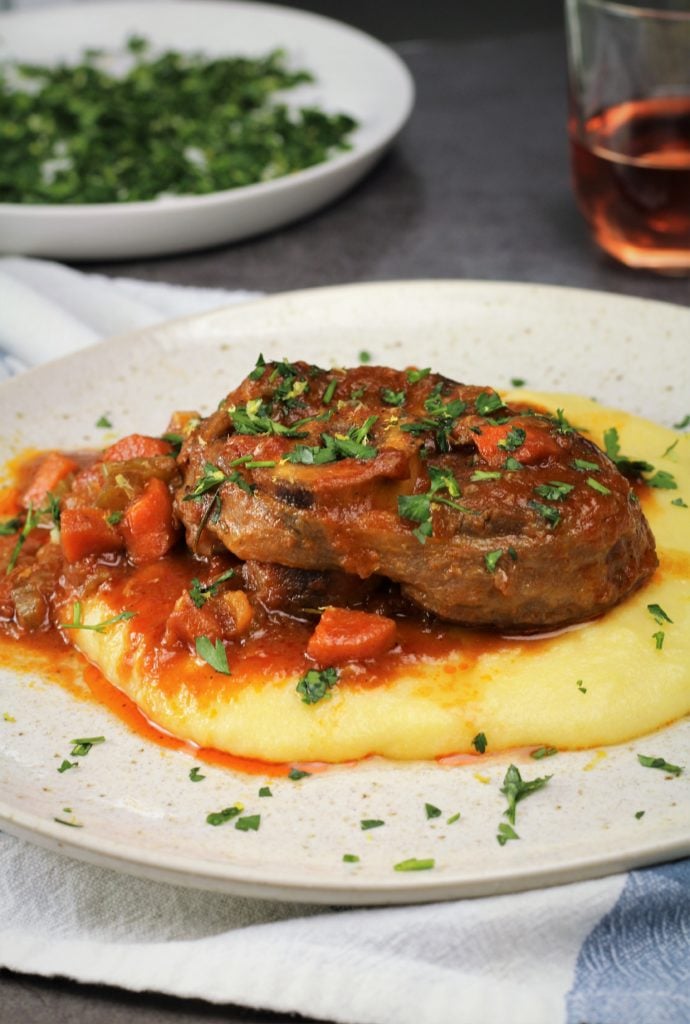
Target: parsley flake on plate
(195, 774)
(415, 864)
(221, 817)
(81, 747)
(515, 789)
(369, 823)
(659, 762)
(432, 812)
(249, 823)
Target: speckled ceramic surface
(355, 74)
(138, 809)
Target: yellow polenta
(601, 683)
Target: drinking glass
(629, 127)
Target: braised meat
(485, 514)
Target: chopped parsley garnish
(249, 462)
(515, 789)
(492, 558)
(485, 474)
(514, 439)
(356, 444)
(639, 814)
(113, 518)
(596, 486)
(584, 466)
(670, 448)
(10, 527)
(659, 762)
(432, 812)
(104, 423)
(66, 765)
(210, 480)
(249, 823)
(551, 515)
(479, 742)
(662, 480)
(629, 467)
(554, 490)
(350, 858)
(253, 418)
(417, 507)
(414, 376)
(415, 864)
(542, 752)
(265, 791)
(213, 653)
(517, 382)
(200, 593)
(512, 464)
(97, 627)
(487, 402)
(81, 747)
(581, 688)
(295, 774)
(658, 639)
(658, 614)
(259, 369)
(221, 817)
(505, 833)
(679, 503)
(174, 439)
(562, 424)
(195, 774)
(685, 422)
(440, 419)
(330, 391)
(453, 818)
(33, 517)
(316, 684)
(368, 823)
(213, 478)
(390, 397)
(72, 824)
(364, 356)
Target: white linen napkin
(606, 951)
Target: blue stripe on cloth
(634, 966)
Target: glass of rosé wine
(629, 127)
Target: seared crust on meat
(485, 514)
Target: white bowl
(354, 74)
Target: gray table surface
(478, 187)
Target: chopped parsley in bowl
(170, 124)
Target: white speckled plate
(138, 809)
(355, 74)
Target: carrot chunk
(345, 635)
(136, 446)
(149, 527)
(84, 531)
(520, 438)
(54, 468)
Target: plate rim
(170, 867)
